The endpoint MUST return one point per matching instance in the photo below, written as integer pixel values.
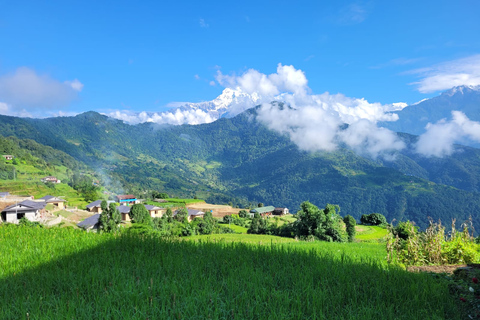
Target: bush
(430, 247)
(27, 223)
(350, 226)
(373, 219)
(139, 214)
(243, 214)
(228, 219)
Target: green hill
(239, 160)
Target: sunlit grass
(370, 233)
(61, 273)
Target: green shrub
(350, 226)
(374, 219)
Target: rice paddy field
(63, 273)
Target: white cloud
(353, 13)
(7, 110)
(314, 122)
(3, 108)
(203, 24)
(364, 137)
(75, 84)
(26, 90)
(465, 71)
(286, 79)
(175, 117)
(319, 128)
(439, 139)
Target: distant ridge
(414, 118)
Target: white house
(29, 209)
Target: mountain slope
(414, 118)
(239, 158)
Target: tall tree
(350, 226)
(110, 217)
(139, 214)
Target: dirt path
(441, 269)
(218, 211)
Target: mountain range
(240, 160)
(414, 118)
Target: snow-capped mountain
(228, 104)
(414, 118)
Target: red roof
(126, 197)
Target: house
(57, 202)
(126, 199)
(280, 211)
(154, 210)
(192, 214)
(51, 179)
(96, 206)
(4, 194)
(32, 210)
(264, 211)
(91, 223)
(124, 212)
(8, 157)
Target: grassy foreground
(70, 274)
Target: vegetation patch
(370, 233)
(126, 276)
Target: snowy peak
(228, 104)
(462, 90)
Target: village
(53, 210)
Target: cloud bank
(439, 139)
(175, 117)
(25, 91)
(316, 122)
(465, 71)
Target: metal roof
(49, 198)
(263, 209)
(124, 209)
(90, 221)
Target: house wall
(32, 216)
(11, 217)
(96, 209)
(126, 217)
(59, 205)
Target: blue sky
(141, 56)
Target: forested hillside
(240, 160)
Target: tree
(207, 226)
(243, 214)
(350, 225)
(373, 219)
(110, 217)
(227, 219)
(159, 195)
(323, 224)
(258, 225)
(260, 205)
(181, 215)
(139, 214)
(168, 215)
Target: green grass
(186, 201)
(61, 273)
(63, 213)
(237, 229)
(370, 233)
